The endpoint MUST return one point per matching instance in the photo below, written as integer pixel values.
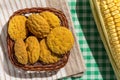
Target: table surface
(93, 51)
(98, 66)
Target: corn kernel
(111, 5)
(117, 46)
(110, 23)
(118, 4)
(111, 27)
(109, 19)
(118, 28)
(117, 24)
(114, 39)
(107, 15)
(112, 31)
(106, 11)
(119, 8)
(116, 16)
(119, 36)
(118, 32)
(114, 35)
(113, 8)
(116, 1)
(117, 20)
(115, 12)
(117, 50)
(114, 42)
(104, 7)
(102, 3)
(109, 1)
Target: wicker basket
(38, 66)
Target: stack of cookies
(39, 37)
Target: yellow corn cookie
(51, 18)
(20, 51)
(46, 55)
(17, 28)
(38, 25)
(33, 49)
(60, 40)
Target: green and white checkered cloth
(95, 56)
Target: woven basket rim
(38, 67)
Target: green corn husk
(103, 34)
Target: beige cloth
(75, 66)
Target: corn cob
(98, 16)
(110, 10)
